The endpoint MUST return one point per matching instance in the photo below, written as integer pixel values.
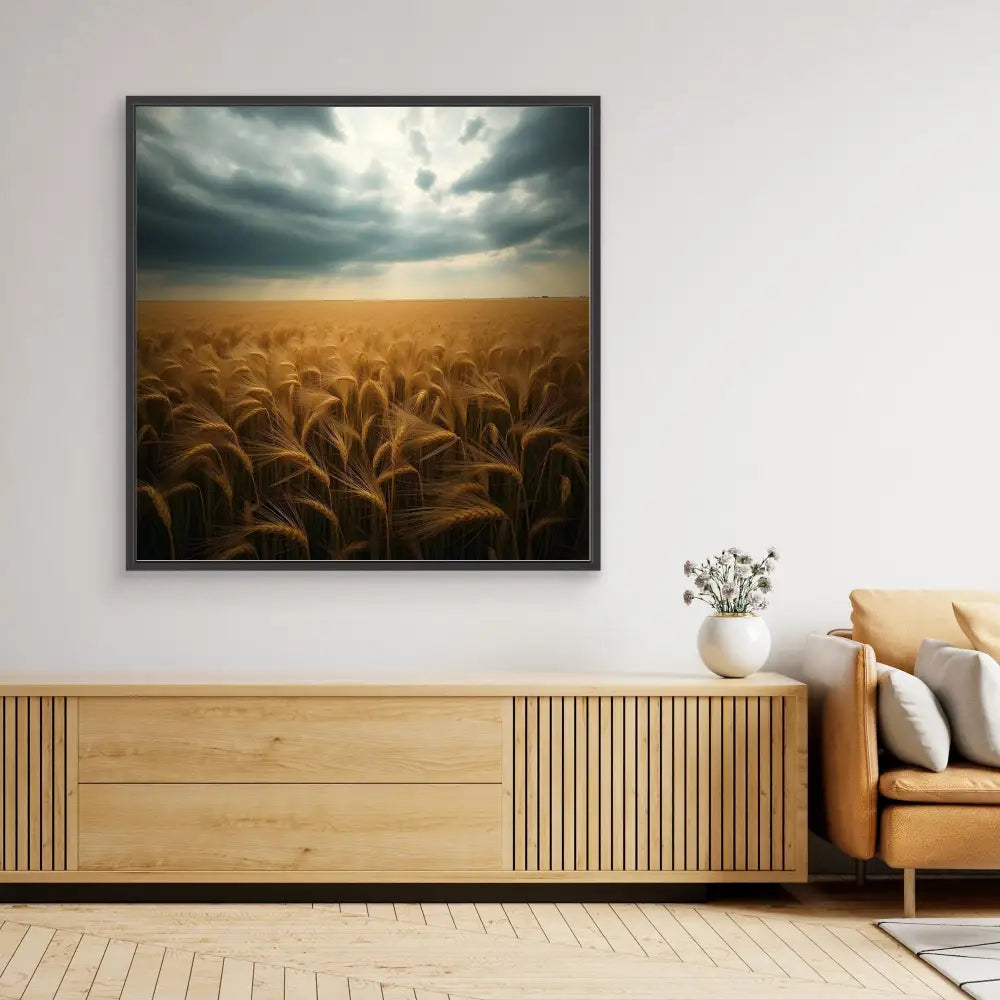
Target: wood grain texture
(507, 820)
(613, 787)
(729, 803)
(35, 785)
(777, 832)
(679, 785)
(666, 783)
(531, 782)
(691, 783)
(642, 756)
(593, 784)
(9, 784)
(764, 758)
(606, 793)
(739, 739)
(612, 682)
(23, 818)
(569, 783)
(618, 783)
(389, 740)
(796, 787)
(72, 783)
(289, 827)
(704, 785)
(544, 787)
(580, 779)
(655, 783)
(717, 821)
(45, 786)
(518, 766)
(752, 751)
(630, 807)
(556, 767)
(814, 943)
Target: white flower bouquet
(732, 583)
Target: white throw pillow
(911, 722)
(967, 683)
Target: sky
(307, 202)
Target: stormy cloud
(230, 196)
(425, 179)
(419, 146)
(471, 128)
(323, 120)
(545, 141)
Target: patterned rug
(967, 951)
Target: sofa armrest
(841, 677)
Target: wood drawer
(296, 739)
(314, 827)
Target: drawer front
(350, 828)
(387, 740)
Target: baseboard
(355, 893)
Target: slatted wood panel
(38, 740)
(698, 784)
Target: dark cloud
(549, 212)
(322, 120)
(418, 144)
(217, 202)
(544, 141)
(549, 160)
(471, 128)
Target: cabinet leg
(909, 892)
(860, 873)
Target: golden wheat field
(360, 430)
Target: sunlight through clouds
(362, 202)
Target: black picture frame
(593, 563)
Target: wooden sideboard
(617, 778)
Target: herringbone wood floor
(819, 943)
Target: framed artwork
(363, 333)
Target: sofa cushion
(980, 621)
(967, 684)
(939, 835)
(895, 622)
(961, 782)
(911, 723)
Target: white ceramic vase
(733, 645)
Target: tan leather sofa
(861, 800)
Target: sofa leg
(860, 872)
(909, 892)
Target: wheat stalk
(281, 530)
(236, 551)
(243, 400)
(160, 504)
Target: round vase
(732, 645)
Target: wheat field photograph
(362, 335)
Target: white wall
(800, 306)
